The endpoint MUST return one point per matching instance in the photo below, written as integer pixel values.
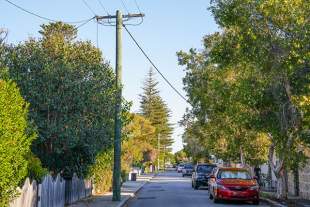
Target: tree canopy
(70, 88)
(250, 84)
(157, 112)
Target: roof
(233, 168)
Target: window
(233, 174)
(205, 168)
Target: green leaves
(15, 140)
(71, 93)
(246, 83)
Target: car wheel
(196, 186)
(256, 202)
(192, 184)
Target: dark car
(201, 175)
(187, 170)
(233, 184)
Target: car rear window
(205, 168)
(234, 174)
(188, 167)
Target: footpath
(290, 202)
(128, 191)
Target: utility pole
(158, 148)
(118, 81)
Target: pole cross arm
(127, 16)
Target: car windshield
(234, 174)
(204, 168)
(188, 167)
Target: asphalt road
(170, 189)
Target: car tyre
(256, 202)
(196, 187)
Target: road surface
(170, 189)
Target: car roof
(233, 168)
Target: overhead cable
(42, 17)
(152, 63)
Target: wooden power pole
(118, 122)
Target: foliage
(180, 156)
(15, 140)
(101, 171)
(71, 93)
(156, 111)
(250, 85)
(35, 169)
(137, 142)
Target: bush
(102, 172)
(35, 169)
(15, 140)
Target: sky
(169, 26)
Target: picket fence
(52, 192)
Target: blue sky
(169, 26)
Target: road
(170, 189)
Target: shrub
(102, 172)
(15, 140)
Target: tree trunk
(278, 171)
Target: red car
(233, 184)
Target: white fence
(52, 192)
(27, 195)
(77, 189)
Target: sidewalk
(291, 202)
(129, 189)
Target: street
(170, 189)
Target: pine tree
(154, 108)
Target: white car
(180, 168)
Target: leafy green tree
(16, 137)
(250, 85)
(180, 156)
(70, 88)
(136, 145)
(156, 111)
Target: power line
(137, 5)
(42, 17)
(90, 9)
(103, 7)
(125, 7)
(152, 63)
(84, 23)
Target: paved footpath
(129, 190)
(170, 189)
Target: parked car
(233, 184)
(187, 170)
(201, 175)
(180, 167)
